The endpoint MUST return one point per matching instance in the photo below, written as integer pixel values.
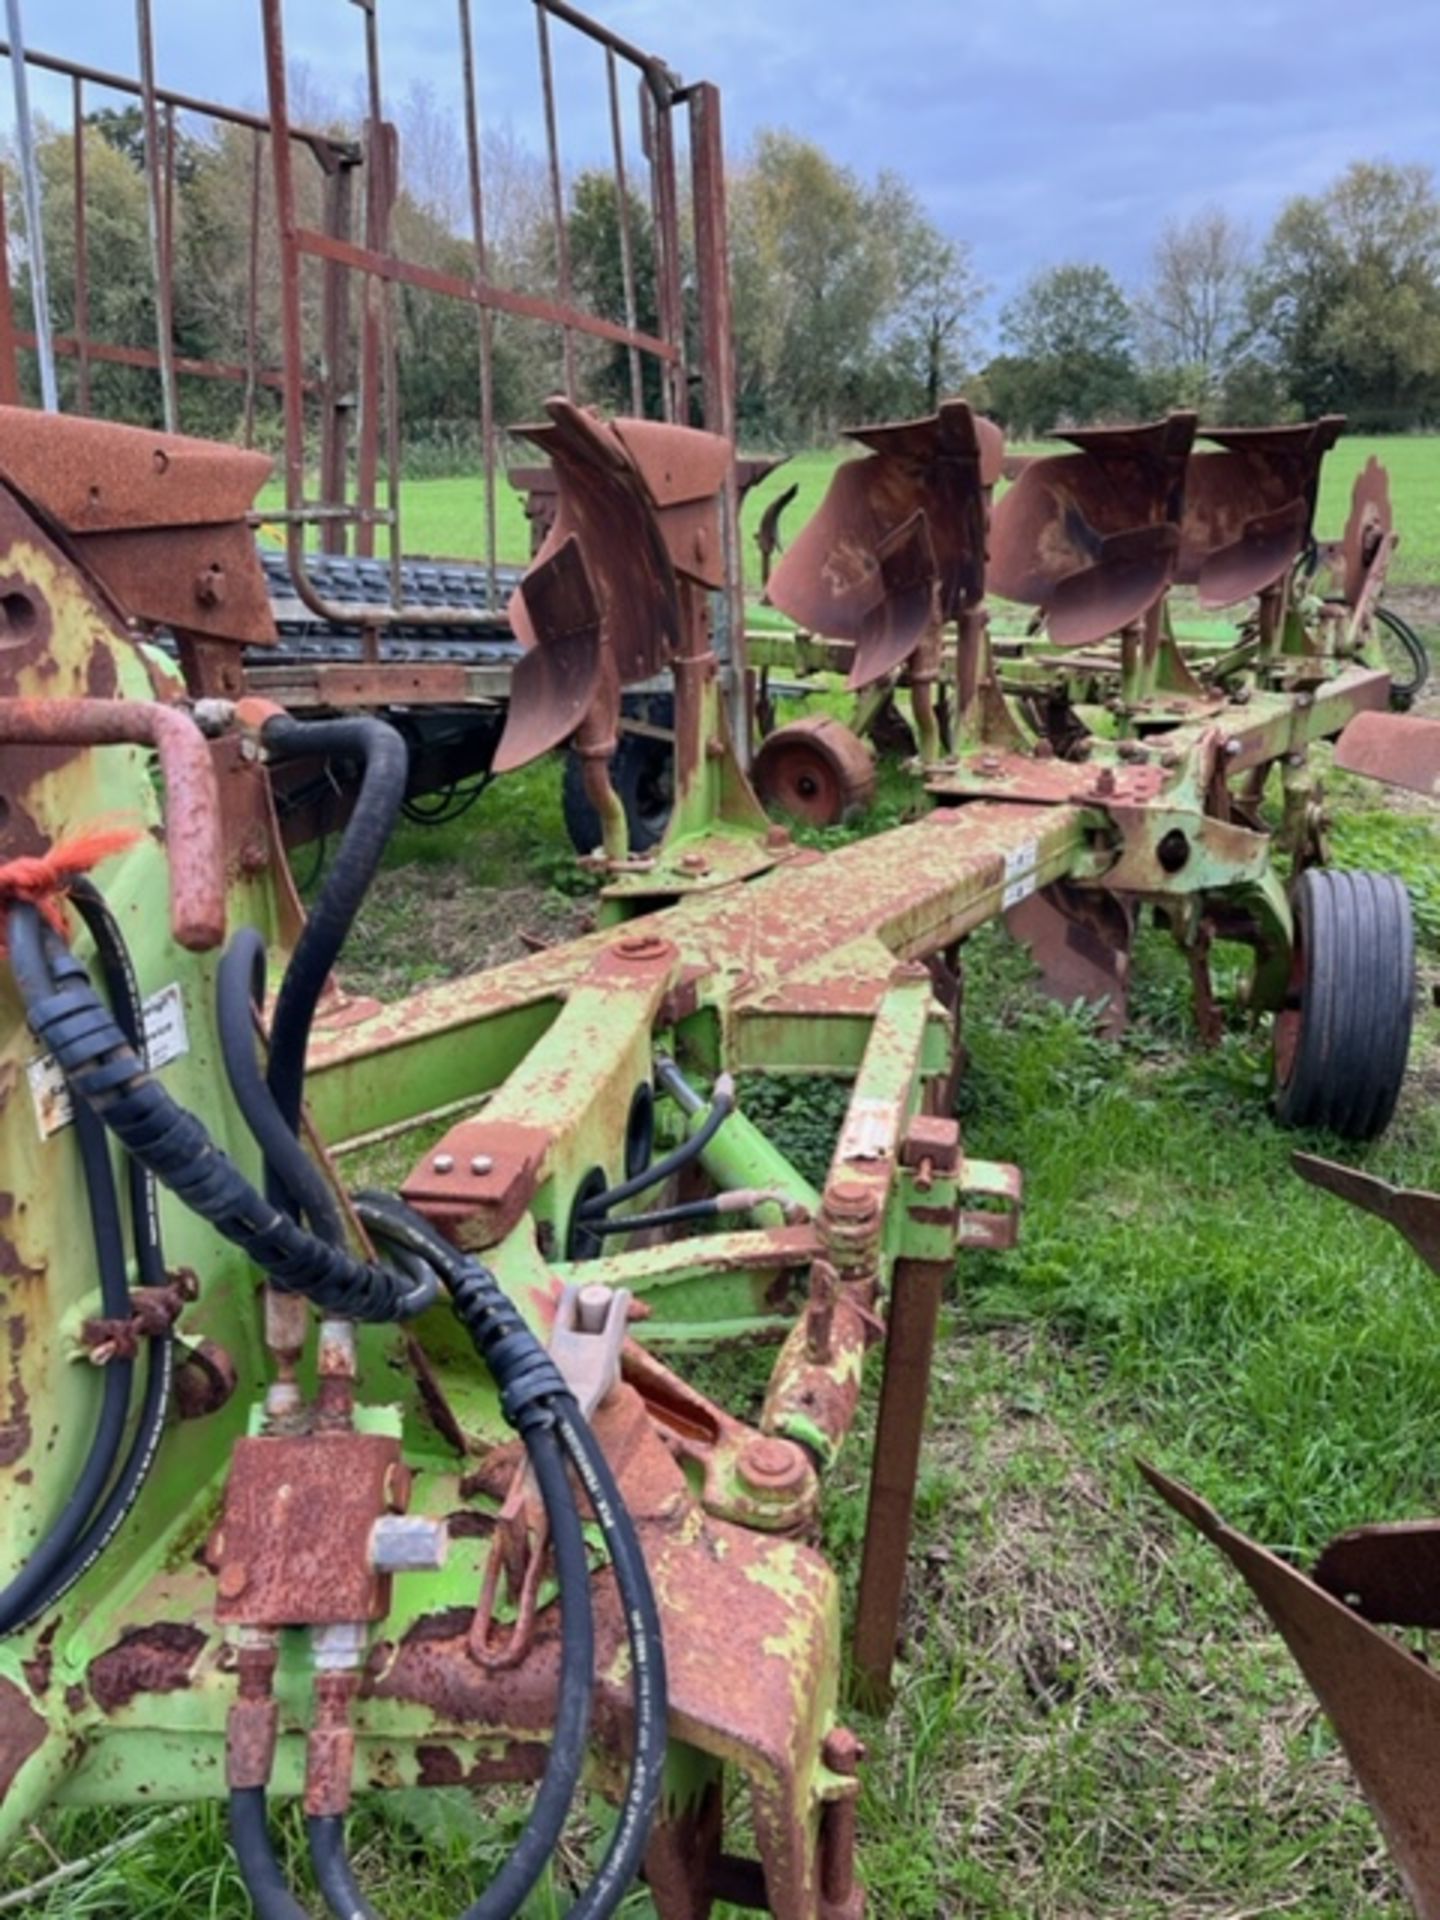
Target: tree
(597, 271)
(937, 294)
(1193, 315)
(812, 286)
(1347, 297)
(1071, 333)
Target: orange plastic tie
(42, 878)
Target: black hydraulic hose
(266, 1885)
(721, 1107)
(545, 1824)
(382, 791)
(27, 1592)
(124, 991)
(239, 989)
(707, 1209)
(626, 1852)
(334, 1875)
(495, 1325)
(1414, 648)
(106, 1074)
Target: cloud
(1038, 130)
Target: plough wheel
(1343, 1035)
(816, 770)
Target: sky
(1036, 131)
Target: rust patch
(147, 1660)
(16, 1431)
(39, 1667)
(22, 1733)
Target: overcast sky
(1036, 130)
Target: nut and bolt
(642, 946)
(850, 1201)
(772, 1465)
(408, 1543)
(482, 1163)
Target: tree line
(850, 303)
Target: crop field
(1092, 1720)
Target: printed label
(166, 1039)
(1020, 867)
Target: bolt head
(234, 1579)
(772, 1465)
(481, 1163)
(443, 1163)
(849, 1200)
(408, 1543)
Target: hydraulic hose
(239, 989)
(334, 1875)
(721, 1106)
(27, 1592)
(124, 991)
(382, 791)
(497, 1329)
(107, 1075)
(265, 1883)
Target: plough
(313, 1492)
(314, 1489)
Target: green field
(447, 516)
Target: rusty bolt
(843, 1751)
(1104, 782)
(777, 836)
(849, 1200)
(205, 1380)
(185, 1281)
(694, 863)
(640, 946)
(234, 1579)
(443, 1163)
(772, 1466)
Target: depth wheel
(816, 770)
(1342, 1037)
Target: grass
(447, 516)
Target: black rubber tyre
(643, 775)
(1342, 1038)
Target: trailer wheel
(1342, 1037)
(816, 770)
(643, 775)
